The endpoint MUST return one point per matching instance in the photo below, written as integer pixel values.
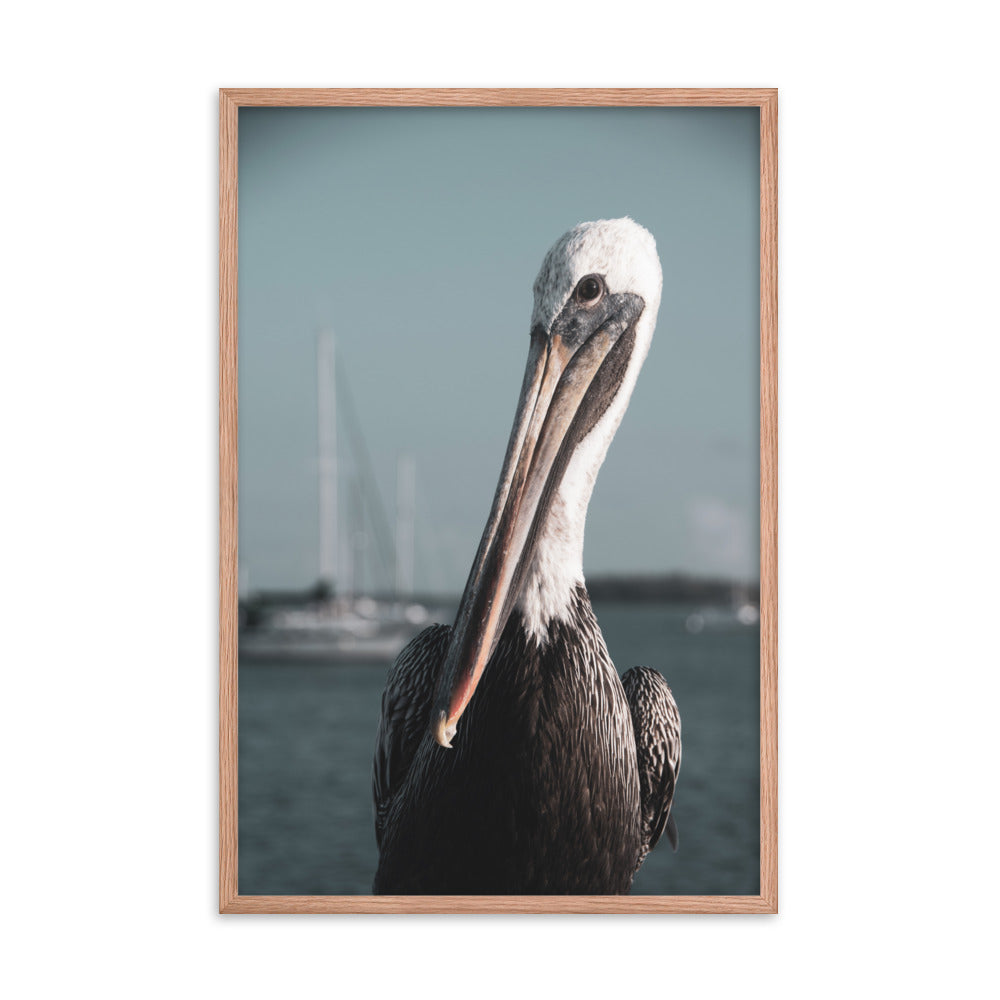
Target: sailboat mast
(327, 448)
(405, 496)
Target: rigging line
(384, 545)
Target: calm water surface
(307, 733)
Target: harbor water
(307, 732)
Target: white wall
(889, 544)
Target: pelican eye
(590, 290)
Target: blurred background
(386, 264)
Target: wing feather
(657, 724)
(406, 704)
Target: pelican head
(596, 299)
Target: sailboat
(338, 621)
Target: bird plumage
(406, 705)
(542, 792)
(562, 783)
(657, 725)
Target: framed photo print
(498, 501)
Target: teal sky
(415, 234)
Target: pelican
(560, 777)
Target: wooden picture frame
(230, 101)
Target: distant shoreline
(646, 588)
(671, 588)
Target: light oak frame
(230, 101)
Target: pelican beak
(574, 371)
